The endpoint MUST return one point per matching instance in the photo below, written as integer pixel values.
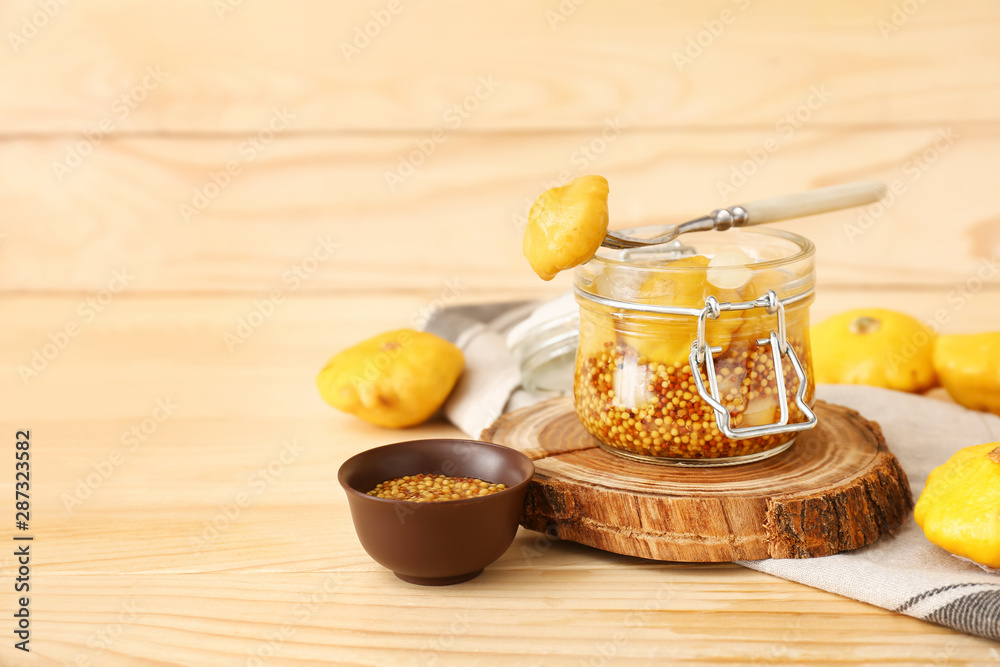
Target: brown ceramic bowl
(437, 543)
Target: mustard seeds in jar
(697, 354)
(424, 488)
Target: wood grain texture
(229, 63)
(836, 489)
(217, 597)
(456, 224)
(155, 565)
(641, 614)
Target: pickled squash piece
(670, 341)
(566, 225)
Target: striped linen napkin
(902, 572)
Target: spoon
(763, 211)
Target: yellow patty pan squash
(669, 341)
(969, 368)
(959, 509)
(396, 379)
(566, 225)
(874, 346)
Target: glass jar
(697, 352)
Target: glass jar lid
(544, 345)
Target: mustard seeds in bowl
(425, 488)
(438, 543)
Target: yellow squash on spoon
(566, 225)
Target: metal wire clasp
(702, 353)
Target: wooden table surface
(201, 201)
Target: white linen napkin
(902, 572)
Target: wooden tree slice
(837, 488)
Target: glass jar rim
(806, 249)
(793, 251)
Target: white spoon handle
(812, 202)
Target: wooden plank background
(168, 169)
(887, 64)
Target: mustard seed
(673, 421)
(434, 488)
